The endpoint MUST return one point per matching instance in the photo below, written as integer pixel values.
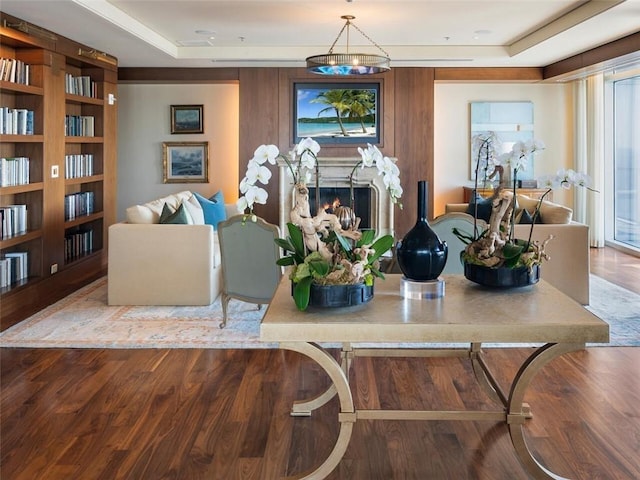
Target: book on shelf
(79, 126)
(78, 204)
(78, 243)
(78, 165)
(16, 121)
(14, 171)
(14, 266)
(15, 71)
(81, 85)
(14, 220)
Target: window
(626, 162)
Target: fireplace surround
(334, 172)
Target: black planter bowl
(334, 296)
(503, 277)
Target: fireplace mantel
(334, 172)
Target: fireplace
(334, 174)
(331, 197)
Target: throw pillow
(525, 218)
(195, 209)
(213, 208)
(555, 213)
(483, 210)
(552, 213)
(178, 217)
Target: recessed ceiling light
(482, 32)
(205, 32)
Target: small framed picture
(187, 119)
(185, 162)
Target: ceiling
(240, 33)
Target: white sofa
(568, 266)
(158, 264)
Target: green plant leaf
(511, 250)
(284, 244)
(463, 236)
(346, 246)
(286, 261)
(381, 245)
(301, 293)
(296, 239)
(368, 236)
(320, 267)
(377, 273)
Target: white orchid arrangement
(318, 250)
(485, 147)
(497, 246)
(516, 160)
(303, 160)
(386, 167)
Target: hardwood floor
(617, 267)
(223, 414)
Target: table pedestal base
(514, 411)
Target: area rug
(84, 320)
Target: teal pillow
(213, 208)
(179, 217)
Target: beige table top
(468, 313)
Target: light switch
(55, 171)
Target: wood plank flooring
(223, 414)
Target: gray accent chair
(249, 254)
(444, 225)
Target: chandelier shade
(349, 63)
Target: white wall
(553, 124)
(144, 123)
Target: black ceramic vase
(420, 254)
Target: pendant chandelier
(349, 63)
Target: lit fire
(330, 207)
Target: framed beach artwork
(185, 162)
(187, 119)
(337, 113)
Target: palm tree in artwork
(337, 100)
(361, 103)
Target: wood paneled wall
(266, 106)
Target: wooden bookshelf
(52, 272)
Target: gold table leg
(303, 408)
(516, 414)
(347, 415)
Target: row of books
(14, 171)
(14, 266)
(80, 165)
(82, 85)
(12, 70)
(14, 220)
(78, 205)
(78, 244)
(79, 126)
(16, 121)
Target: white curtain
(590, 155)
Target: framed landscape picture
(337, 113)
(185, 162)
(187, 119)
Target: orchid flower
(266, 153)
